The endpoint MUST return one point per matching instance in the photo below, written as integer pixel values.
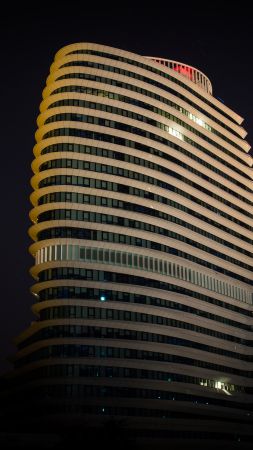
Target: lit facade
(142, 229)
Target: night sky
(214, 38)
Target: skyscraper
(142, 230)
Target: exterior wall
(142, 230)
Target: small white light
(200, 122)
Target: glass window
(124, 258)
(100, 253)
(88, 254)
(193, 278)
(53, 252)
(82, 253)
(64, 252)
(94, 254)
(79, 215)
(112, 257)
(58, 252)
(91, 312)
(69, 248)
(118, 257)
(135, 260)
(130, 262)
(46, 254)
(122, 238)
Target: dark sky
(212, 37)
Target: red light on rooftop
(184, 70)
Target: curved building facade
(142, 229)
